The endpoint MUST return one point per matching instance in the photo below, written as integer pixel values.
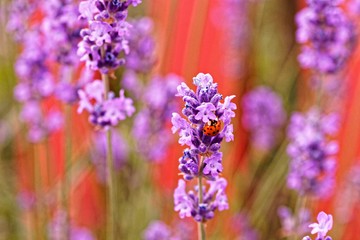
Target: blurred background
(243, 45)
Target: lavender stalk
(102, 46)
(208, 123)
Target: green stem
(66, 193)
(201, 227)
(111, 214)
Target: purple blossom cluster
(292, 224)
(20, 14)
(208, 123)
(312, 165)
(36, 84)
(263, 116)
(149, 127)
(105, 39)
(141, 58)
(324, 224)
(214, 198)
(61, 28)
(158, 230)
(104, 112)
(326, 34)
(45, 42)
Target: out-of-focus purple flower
(187, 203)
(263, 116)
(40, 125)
(106, 38)
(54, 120)
(36, 82)
(66, 92)
(291, 224)
(61, 29)
(104, 112)
(150, 123)
(324, 224)
(20, 12)
(326, 34)
(77, 233)
(141, 58)
(312, 164)
(98, 155)
(157, 230)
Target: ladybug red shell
(212, 128)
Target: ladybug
(212, 127)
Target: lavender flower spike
(188, 205)
(104, 113)
(325, 223)
(207, 122)
(263, 116)
(105, 40)
(326, 34)
(312, 165)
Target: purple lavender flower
(326, 35)
(157, 230)
(104, 112)
(208, 123)
(263, 116)
(149, 128)
(119, 152)
(292, 224)
(106, 38)
(141, 58)
(39, 124)
(325, 222)
(214, 198)
(20, 13)
(61, 29)
(36, 82)
(312, 163)
(202, 109)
